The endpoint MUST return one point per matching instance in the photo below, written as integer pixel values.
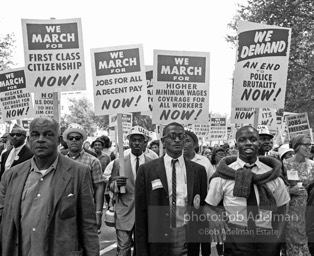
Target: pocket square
(156, 184)
(69, 195)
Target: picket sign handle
(120, 147)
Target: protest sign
(267, 116)
(261, 67)
(218, 128)
(231, 131)
(298, 124)
(126, 123)
(16, 102)
(202, 130)
(181, 87)
(149, 83)
(43, 104)
(119, 80)
(242, 115)
(54, 55)
(26, 123)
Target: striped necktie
(174, 193)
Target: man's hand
(296, 190)
(217, 226)
(98, 220)
(121, 181)
(219, 230)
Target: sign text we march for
(181, 87)
(54, 55)
(119, 80)
(261, 68)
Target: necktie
(174, 193)
(251, 202)
(137, 164)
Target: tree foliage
(299, 16)
(7, 48)
(81, 112)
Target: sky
(164, 25)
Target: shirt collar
(20, 147)
(196, 157)
(168, 159)
(242, 163)
(76, 157)
(133, 157)
(53, 166)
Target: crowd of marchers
(172, 196)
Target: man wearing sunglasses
(19, 153)
(74, 136)
(168, 191)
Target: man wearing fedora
(74, 136)
(125, 205)
(19, 153)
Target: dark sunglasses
(77, 138)
(16, 134)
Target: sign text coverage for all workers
(261, 67)
(16, 101)
(54, 55)
(181, 87)
(119, 80)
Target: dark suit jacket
(24, 154)
(71, 222)
(152, 210)
(125, 203)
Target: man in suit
(19, 153)
(125, 206)
(46, 203)
(163, 225)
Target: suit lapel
(189, 166)
(128, 166)
(161, 170)
(60, 180)
(18, 184)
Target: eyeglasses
(173, 135)
(16, 134)
(307, 144)
(77, 138)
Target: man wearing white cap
(148, 152)
(266, 141)
(19, 153)
(125, 205)
(74, 136)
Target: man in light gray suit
(124, 202)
